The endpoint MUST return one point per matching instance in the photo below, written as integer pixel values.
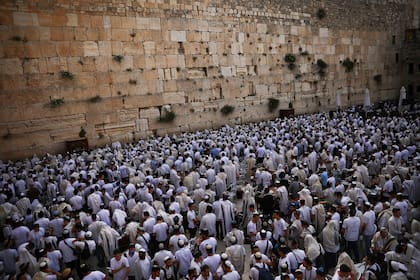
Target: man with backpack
(260, 271)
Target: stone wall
(114, 67)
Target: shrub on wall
(378, 78)
(118, 58)
(55, 102)
(82, 132)
(273, 103)
(321, 64)
(321, 13)
(167, 117)
(227, 109)
(348, 64)
(95, 99)
(66, 75)
(290, 58)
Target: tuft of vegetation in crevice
(66, 75)
(95, 99)
(82, 132)
(378, 78)
(118, 58)
(19, 39)
(7, 135)
(321, 13)
(348, 65)
(322, 65)
(56, 102)
(227, 110)
(273, 104)
(167, 117)
(290, 58)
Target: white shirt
(95, 275)
(351, 226)
(65, 247)
(54, 260)
(209, 221)
(368, 219)
(213, 262)
(191, 216)
(161, 231)
(116, 265)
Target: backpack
(264, 273)
(85, 254)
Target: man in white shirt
(67, 248)
(395, 223)
(351, 227)
(160, 230)
(254, 273)
(209, 221)
(91, 274)
(119, 266)
(192, 219)
(368, 227)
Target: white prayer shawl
(230, 170)
(312, 248)
(131, 230)
(228, 213)
(118, 217)
(108, 240)
(284, 199)
(344, 258)
(306, 195)
(330, 237)
(142, 268)
(319, 217)
(236, 255)
(26, 257)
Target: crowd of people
(307, 197)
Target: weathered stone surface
(141, 55)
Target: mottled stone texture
(110, 66)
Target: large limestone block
(72, 20)
(148, 23)
(261, 28)
(142, 125)
(11, 66)
(149, 47)
(261, 90)
(90, 48)
(173, 97)
(323, 32)
(226, 71)
(25, 19)
(178, 36)
(149, 113)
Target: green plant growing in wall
(227, 110)
(118, 58)
(19, 39)
(378, 78)
(290, 58)
(322, 65)
(7, 135)
(304, 53)
(66, 75)
(291, 66)
(321, 13)
(82, 132)
(56, 102)
(167, 117)
(273, 104)
(95, 99)
(348, 65)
